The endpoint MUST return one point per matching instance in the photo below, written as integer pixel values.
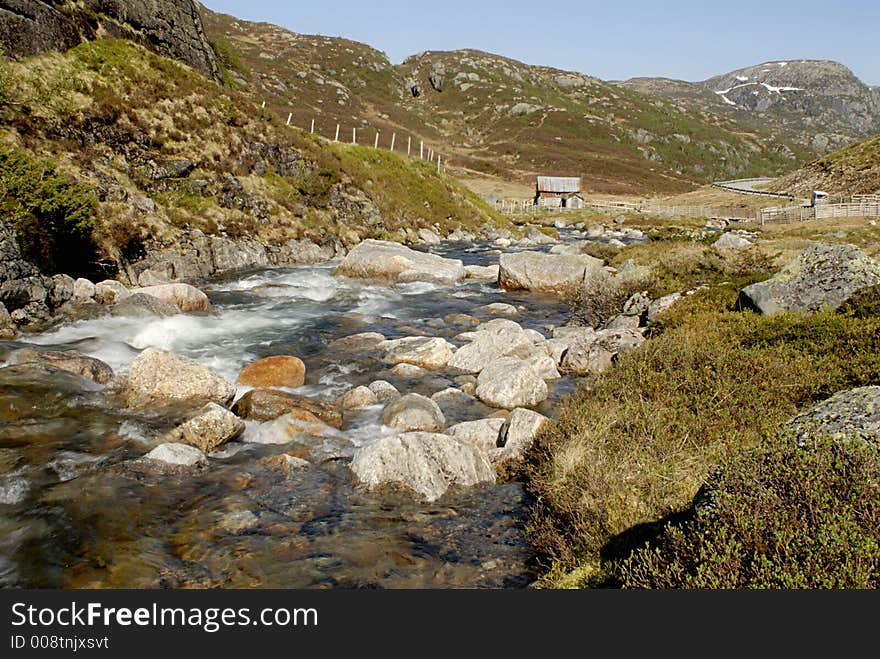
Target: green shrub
(781, 516)
(54, 217)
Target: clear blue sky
(685, 39)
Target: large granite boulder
(822, 277)
(267, 404)
(426, 463)
(379, 259)
(159, 376)
(536, 271)
(184, 296)
(67, 360)
(510, 383)
(275, 371)
(854, 413)
(414, 412)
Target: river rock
(276, 371)
(297, 425)
(482, 433)
(357, 342)
(161, 376)
(484, 272)
(358, 397)
(284, 462)
(850, 414)
(486, 347)
(267, 404)
(177, 455)
(499, 309)
(83, 290)
(510, 383)
(429, 237)
(423, 351)
(139, 305)
(535, 271)
(408, 371)
(426, 463)
(379, 259)
(186, 297)
(68, 360)
(537, 237)
(823, 276)
(384, 391)
(110, 291)
(414, 412)
(212, 427)
(517, 435)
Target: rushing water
(73, 513)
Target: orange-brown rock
(279, 371)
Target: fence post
(376, 141)
(408, 143)
(421, 150)
(393, 137)
(438, 163)
(313, 126)
(354, 135)
(289, 117)
(336, 139)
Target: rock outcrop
(850, 414)
(823, 276)
(172, 28)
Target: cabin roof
(559, 184)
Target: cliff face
(172, 28)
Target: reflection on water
(75, 511)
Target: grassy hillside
(854, 169)
(161, 148)
(492, 114)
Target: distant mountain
(820, 104)
(854, 169)
(493, 114)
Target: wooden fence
(788, 214)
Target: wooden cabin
(559, 192)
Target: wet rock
(414, 412)
(267, 404)
(357, 342)
(423, 351)
(484, 272)
(139, 305)
(499, 309)
(358, 397)
(293, 426)
(384, 391)
(426, 463)
(286, 463)
(847, 415)
(535, 271)
(187, 298)
(31, 315)
(510, 383)
(822, 277)
(161, 376)
(83, 290)
(13, 490)
(110, 291)
(277, 371)
(460, 319)
(212, 427)
(70, 361)
(177, 455)
(378, 259)
(408, 371)
(467, 383)
(483, 433)
(662, 304)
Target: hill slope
(854, 169)
(820, 104)
(494, 114)
(163, 150)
